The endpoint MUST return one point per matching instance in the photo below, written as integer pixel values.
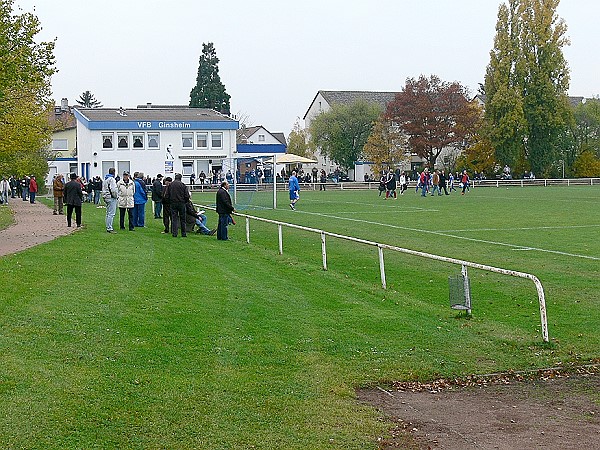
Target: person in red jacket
(464, 180)
(33, 188)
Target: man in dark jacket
(178, 197)
(157, 189)
(73, 200)
(224, 209)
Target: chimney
(64, 104)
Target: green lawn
(139, 340)
(6, 217)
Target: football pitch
(140, 340)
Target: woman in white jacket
(125, 201)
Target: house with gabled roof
(323, 101)
(257, 142)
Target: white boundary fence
(381, 247)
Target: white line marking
(439, 233)
(565, 227)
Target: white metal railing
(381, 247)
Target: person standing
(403, 183)
(97, 186)
(224, 210)
(166, 204)
(73, 198)
(110, 194)
(33, 188)
(4, 190)
(451, 182)
(323, 180)
(294, 189)
(436, 183)
(464, 180)
(157, 189)
(125, 200)
(140, 199)
(58, 188)
(443, 182)
(14, 184)
(424, 182)
(179, 195)
(390, 185)
(25, 188)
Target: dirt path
(34, 224)
(554, 414)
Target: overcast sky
(275, 54)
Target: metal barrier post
(280, 239)
(467, 288)
(324, 251)
(382, 267)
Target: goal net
(253, 183)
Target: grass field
(139, 340)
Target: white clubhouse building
(154, 139)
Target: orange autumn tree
(433, 115)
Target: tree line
(526, 120)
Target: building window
(153, 141)
(60, 144)
(138, 141)
(107, 141)
(123, 141)
(216, 140)
(123, 166)
(188, 167)
(107, 165)
(187, 140)
(261, 138)
(201, 140)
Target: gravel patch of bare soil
(554, 412)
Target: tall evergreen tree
(209, 91)
(87, 100)
(527, 112)
(505, 125)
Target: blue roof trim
(162, 125)
(156, 125)
(63, 159)
(261, 148)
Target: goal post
(254, 182)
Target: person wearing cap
(58, 187)
(73, 199)
(125, 201)
(157, 189)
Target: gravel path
(34, 224)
